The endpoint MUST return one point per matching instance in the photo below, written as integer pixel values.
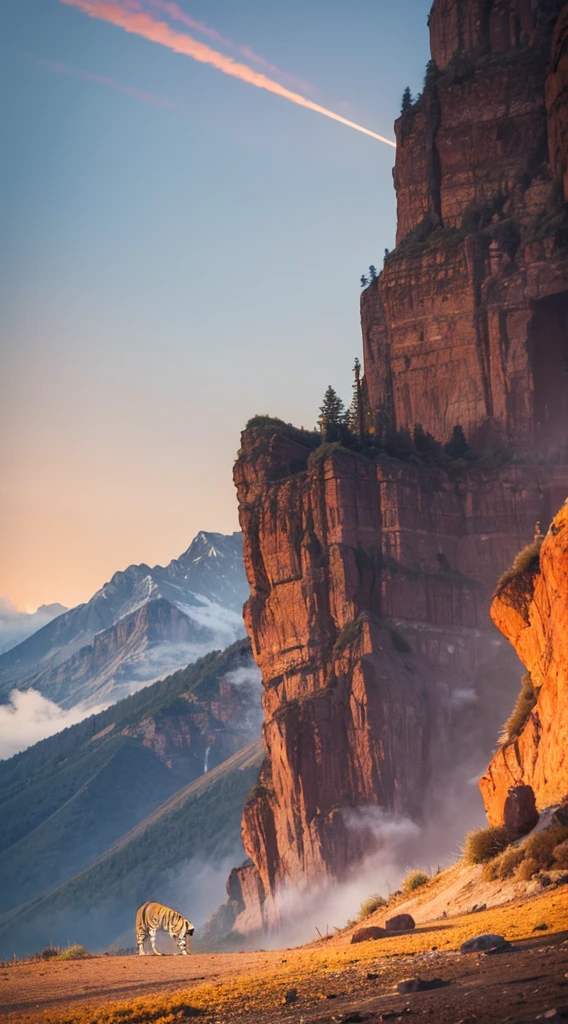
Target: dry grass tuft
(526, 869)
(525, 703)
(414, 880)
(75, 952)
(483, 844)
(541, 845)
(372, 903)
(504, 865)
(526, 563)
(560, 855)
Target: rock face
(371, 578)
(534, 618)
(468, 322)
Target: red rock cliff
(532, 612)
(371, 578)
(469, 319)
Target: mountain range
(142, 624)
(132, 793)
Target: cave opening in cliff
(548, 353)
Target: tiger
(151, 916)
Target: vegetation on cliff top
(524, 567)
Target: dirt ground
(335, 981)
(29, 987)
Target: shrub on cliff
(270, 424)
(484, 843)
(525, 703)
(527, 563)
(414, 880)
(372, 903)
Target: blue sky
(167, 271)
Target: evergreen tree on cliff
(406, 100)
(356, 414)
(457, 447)
(332, 412)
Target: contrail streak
(132, 18)
(175, 13)
(111, 83)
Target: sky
(180, 251)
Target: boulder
(371, 932)
(486, 943)
(520, 814)
(400, 923)
(408, 985)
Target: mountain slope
(16, 626)
(178, 855)
(65, 800)
(141, 624)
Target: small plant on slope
(75, 952)
(371, 904)
(484, 843)
(414, 880)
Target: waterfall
(206, 761)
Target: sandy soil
(28, 987)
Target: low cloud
(30, 717)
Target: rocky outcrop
(469, 318)
(371, 576)
(532, 612)
(370, 581)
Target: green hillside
(180, 855)
(65, 800)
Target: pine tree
(406, 100)
(373, 273)
(364, 281)
(355, 416)
(457, 447)
(332, 411)
(386, 254)
(425, 444)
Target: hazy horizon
(182, 251)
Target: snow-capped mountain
(16, 626)
(142, 624)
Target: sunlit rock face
(532, 612)
(384, 680)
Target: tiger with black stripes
(151, 916)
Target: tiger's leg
(182, 944)
(140, 936)
(153, 942)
